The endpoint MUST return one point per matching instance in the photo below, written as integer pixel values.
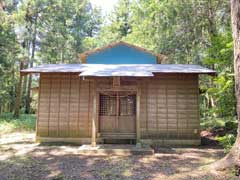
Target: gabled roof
(109, 70)
(84, 55)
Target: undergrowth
(9, 124)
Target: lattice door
(117, 112)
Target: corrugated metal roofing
(117, 73)
(120, 69)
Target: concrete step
(115, 149)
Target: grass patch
(9, 124)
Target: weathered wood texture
(169, 105)
(65, 106)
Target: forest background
(33, 32)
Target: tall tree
(119, 24)
(53, 32)
(9, 50)
(179, 29)
(64, 26)
(31, 17)
(233, 157)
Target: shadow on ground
(30, 161)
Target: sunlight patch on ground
(17, 137)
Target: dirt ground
(22, 159)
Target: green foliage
(227, 141)
(9, 49)
(34, 102)
(225, 130)
(63, 27)
(228, 123)
(41, 31)
(219, 97)
(117, 26)
(60, 27)
(210, 123)
(56, 31)
(231, 126)
(8, 124)
(187, 32)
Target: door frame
(95, 117)
(117, 117)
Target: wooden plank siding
(65, 103)
(169, 105)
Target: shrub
(209, 123)
(231, 126)
(227, 141)
(8, 124)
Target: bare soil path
(22, 159)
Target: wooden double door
(117, 113)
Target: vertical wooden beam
(49, 102)
(178, 135)
(89, 114)
(59, 104)
(38, 105)
(117, 111)
(79, 102)
(138, 130)
(94, 115)
(146, 106)
(166, 95)
(97, 115)
(157, 120)
(198, 105)
(69, 103)
(116, 82)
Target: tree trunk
(28, 97)
(13, 93)
(19, 92)
(232, 158)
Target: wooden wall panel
(172, 107)
(54, 104)
(43, 112)
(90, 108)
(152, 110)
(74, 106)
(84, 108)
(169, 105)
(143, 109)
(64, 106)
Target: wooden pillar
(138, 130)
(94, 117)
